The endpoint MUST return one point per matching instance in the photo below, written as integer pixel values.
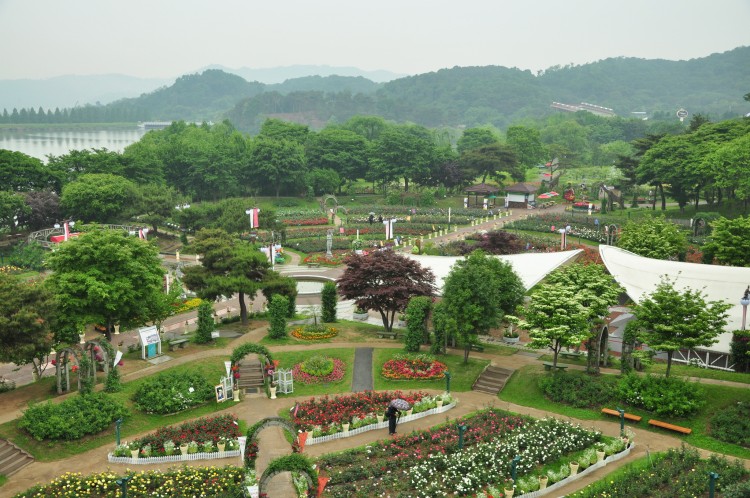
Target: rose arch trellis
(94, 351)
(289, 463)
(245, 349)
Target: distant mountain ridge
(72, 90)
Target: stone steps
(251, 374)
(492, 380)
(12, 458)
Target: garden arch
(245, 349)
(62, 372)
(98, 354)
(251, 448)
(324, 203)
(289, 463)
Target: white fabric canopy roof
(530, 267)
(640, 276)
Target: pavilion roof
(482, 188)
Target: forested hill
(468, 96)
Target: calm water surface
(41, 142)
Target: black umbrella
(400, 404)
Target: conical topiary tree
(205, 323)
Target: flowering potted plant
(511, 334)
(192, 447)
(134, 449)
(508, 488)
(146, 451)
(207, 447)
(272, 389)
(168, 447)
(122, 450)
(221, 444)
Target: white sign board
(149, 336)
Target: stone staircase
(12, 458)
(251, 375)
(492, 380)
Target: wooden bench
(671, 427)
(570, 354)
(629, 416)
(178, 343)
(477, 347)
(390, 335)
(548, 366)
(313, 265)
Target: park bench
(477, 347)
(570, 354)
(390, 335)
(671, 427)
(629, 416)
(548, 366)
(180, 343)
(313, 265)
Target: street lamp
(744, 301)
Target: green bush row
(73, 418)
(173, 392)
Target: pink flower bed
(306, 378)
(410, 368)
(326, 411)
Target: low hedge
(732, 424)
(73, 418)
(173, 392)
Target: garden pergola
(488, 191)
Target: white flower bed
(174, 458)
(379, 425)
(468, 471)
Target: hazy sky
(167, 38)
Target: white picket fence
(174, 458)
(580, 474)
(378, 425)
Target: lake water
(41, 142)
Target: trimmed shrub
(417, 313)
(173, 392)
(732, 424)
(73, 418)
(277, 314)
(666, 396)
(579, 390)
(328, 299)
(205, 323)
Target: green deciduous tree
(13, 208)
(384, 281)
(653, 238)
(27, 317)
(494, 161)
(729, 241)
(527, 144)
(555, 318)
(478, 292)
(669, 319)
(104, 277)
(156, 203)
(276, 164)
(98, 197)
(340, 150)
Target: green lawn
(522, 389)
(137, 423)
(462, 376)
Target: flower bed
(407, 465)
(326, 411)
(336, 373)
(321, 259)
(310, 334)
(210, 429)
(420, 366)
(188, 481)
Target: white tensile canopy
(640, 276)
(530, 267)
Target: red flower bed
(320, 220)
(413, 368)
(304, 377)
(200, 430)
(326, 411)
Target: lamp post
(123, 483)
(744, 301)
(118, 424)
(461, 430)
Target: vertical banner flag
(254, 217)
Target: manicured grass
(288, 359)
(137, 423)
(3, 480)
(522, 389)
(462, 376)
(680, 370)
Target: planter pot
(362, 317)
(273, 392)
(439, 403)
(221, 447)
(253, 491)
(508, 492)
(625, 441)
(543, 482)
(134, 453)
(409, 412)
(573, 468)
(82, 338)
(183, 449)
(599, 456)
(345, 427)
(380, 418)
(511, 340)
(236, 395)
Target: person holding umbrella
(394, 411)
